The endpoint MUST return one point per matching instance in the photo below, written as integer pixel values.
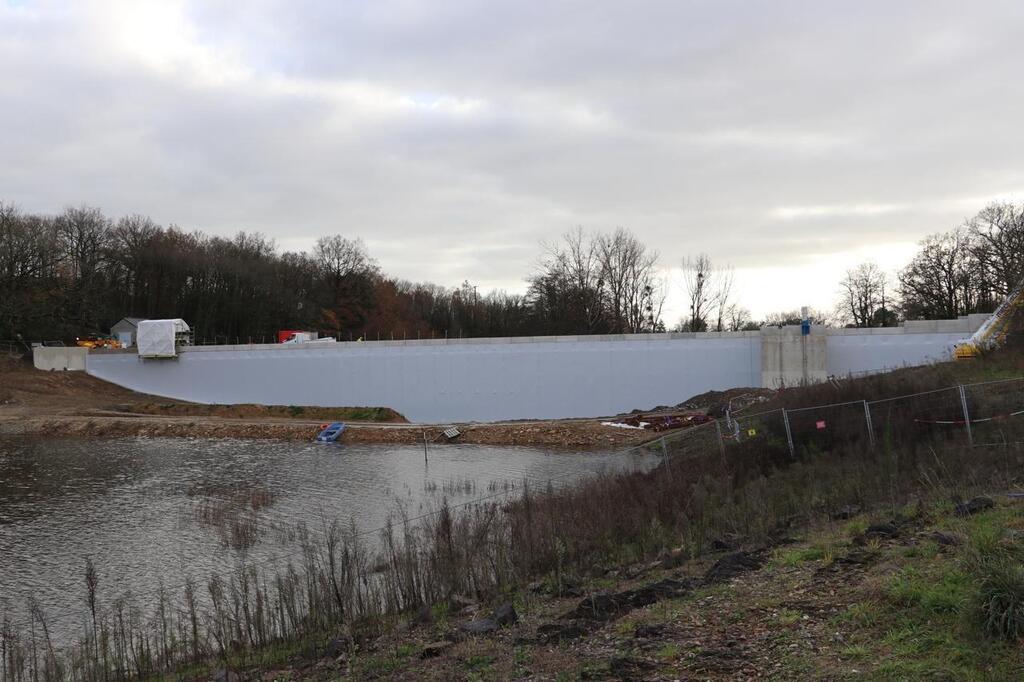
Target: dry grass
(234, 515)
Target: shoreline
(73, 404)
(574, 434)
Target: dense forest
(78, 272)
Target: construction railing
(979, 415)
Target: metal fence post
(967, 416)
(789, 434)
(721, 442)
(871, 428)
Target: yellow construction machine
(97, 341)
(995, 329)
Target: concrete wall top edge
(490, 341)
(963, 324)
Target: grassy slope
(822, 607)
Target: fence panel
(996, 411)
(828, 427)
(695, 442)
(919, 419)
(764, 432)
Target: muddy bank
(576, 435)
(37, 403)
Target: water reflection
(150, 510)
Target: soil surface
(837, 603)
(34, 402)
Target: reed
(341, 583)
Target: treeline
(78, 272)
(970, 269)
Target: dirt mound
(252, 411)
(24, 385)
(718, 401)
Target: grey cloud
(455, 136)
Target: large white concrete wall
(448, 381)
(523, 378)
(866, 351)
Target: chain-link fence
(982, 414)
(996, 410)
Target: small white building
(127, 331)
(161, 338)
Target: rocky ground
(869, 597)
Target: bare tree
(697, 275)
(628, 273)
(941, 282)
(723, 283)
(340, 257)
(83, 233)
(579, 263)
(863, 296)
(788, 318)
(602, 283)
(997, 245)
(738, 318)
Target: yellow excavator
(995, 329)
(97, 341)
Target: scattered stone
(673, 559)
(482, 626)
(732, 565)
(225, 675)
(603, 606)
(649, 631)
(888, 529)
(726, 543)
(596, 607)
(626, 668)
(944, 538)
(878, 531)
(336, 647)
(435, 648)
(557, 632)
(505, 615)
(974, 506)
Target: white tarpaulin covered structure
(157, 338)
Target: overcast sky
(792, 140)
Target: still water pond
(147, 510)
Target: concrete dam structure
(443, 381)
